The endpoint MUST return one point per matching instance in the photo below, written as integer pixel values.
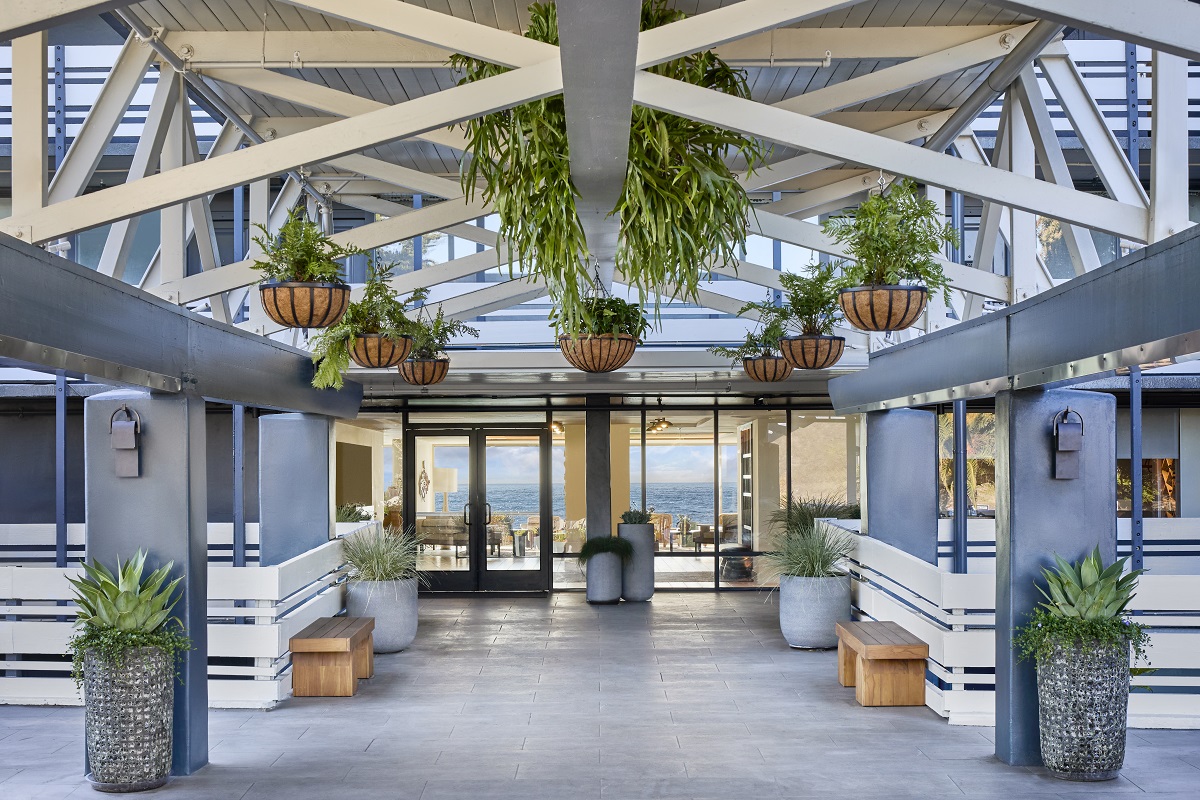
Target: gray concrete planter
(810, 608)
(128, 716)
(1083, 700)
(637, 579)
(393, 604)
(604, 578)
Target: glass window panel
(1160, 487)
(443, 474)
(823, 464)
(981, 464)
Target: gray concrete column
(597, 469)
(902, 480)
(165, 512)
(1036, 517)
(295, 485)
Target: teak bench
(883, 662)
(330, 655)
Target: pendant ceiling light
(659, 424)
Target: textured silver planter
(604, 578)
(1083, 700)
(393, 604)
(637, 578)
(128, 715)
(810, 608)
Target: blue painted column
(901, 507)
(1036, 517)
(165, 512)
(295, 487)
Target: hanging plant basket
(766, 369)
(812, 352)
(303, 304)
(883, 308)
(603, 353)
(376, 351)
(424, 371)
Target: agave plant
(123, 611)
(1084, 608)
(1088, 590)
(123, 601)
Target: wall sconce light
(1068, 442)
(123, 437)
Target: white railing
(252, 613)
(956, 616)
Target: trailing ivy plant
(381, 311)
(603, 314)
(812, 300)
(681, 209)
(122, 612)
(763, 340)
(431, 334)
(301, 252)
(1085, 606)
(892, 239)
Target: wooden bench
(883, 662)
(330, 655)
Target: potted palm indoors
(759, 354)
(123, 656)
(604, 556)
(810, 560)
(302, 284)
(375, 332)
(427, 362)
(812, 304)
(637, 575)
(608, 332)
(382, 583)
(680, 210)
(893, 240)
(1081, 639)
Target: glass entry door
(477, 497)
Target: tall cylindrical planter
(1083, 700)
(128, 716)
(810, 608)
(637, 576)
(604, 578)
(393, 604)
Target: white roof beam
(28, 160)
(1169, 154)
(781, 47)
(369, 236)
(1167, 25)
(1054, 164)
(905, 75)
(938, 169)
(492, 298)
(106, 113)
(323, 98)
(435, 28)
(271, 158)
(1098, 142)
(22, 17)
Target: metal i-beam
(1135, 310)
(947, 172)
(1167, 25)
(125, 335)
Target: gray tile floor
(689, 696)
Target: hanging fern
(681, 210)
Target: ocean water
(692, 499)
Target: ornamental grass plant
(382, 554)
